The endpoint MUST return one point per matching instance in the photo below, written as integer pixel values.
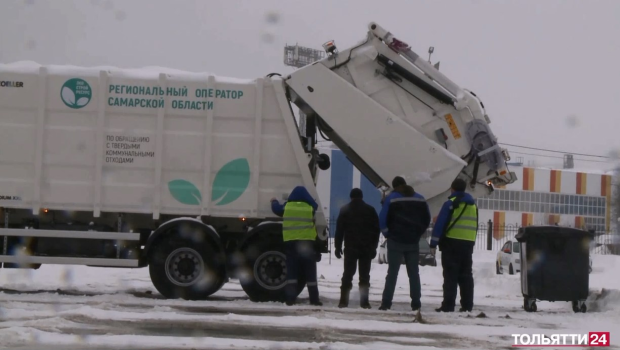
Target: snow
(66, 307)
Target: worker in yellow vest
(299, 235)
(455, 233)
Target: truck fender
(237, 258)
(165, 230)
(266, 226)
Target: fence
(493, 236)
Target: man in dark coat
(404, 218)
(358, 227)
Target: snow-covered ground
(68, 307)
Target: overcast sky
(547, 71)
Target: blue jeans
(396, 252)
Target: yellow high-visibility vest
(466, 227)
(298, 222)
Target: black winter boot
(364, 291)
(344, 297)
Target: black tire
(575, 307)
(510, 270)
(497, 269)
(264, 273)
(534, 308)
(186, 269)
(584, 308)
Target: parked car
(509, 257)
(425, 257)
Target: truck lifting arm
(394, 114)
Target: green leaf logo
(76, 93)
(185, 192)
(231, 181)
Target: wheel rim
(270, 270)
(184, 267)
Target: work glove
(338, 253)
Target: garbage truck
(174, 170)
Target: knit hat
(398, 181)
(356, 193)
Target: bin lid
(551, 231)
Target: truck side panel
(110, 140)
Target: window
(537, 197)
(511, 206)
(545, 198)
(516, 248)
(572, 209)
(580, 198)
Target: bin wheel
(579, 306)
(529, 305)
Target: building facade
(548, 197)
(539, 197)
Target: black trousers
(301, 261)
(351, 259)
(456, 261)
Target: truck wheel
(184, 268)
(264, 274)
(510, 270)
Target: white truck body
(113, 143)
(176, 170)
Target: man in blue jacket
(404, 218)
(299, 236)
(455, 233)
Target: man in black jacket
(358, 227)
(404, 218)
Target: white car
(509, 258)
